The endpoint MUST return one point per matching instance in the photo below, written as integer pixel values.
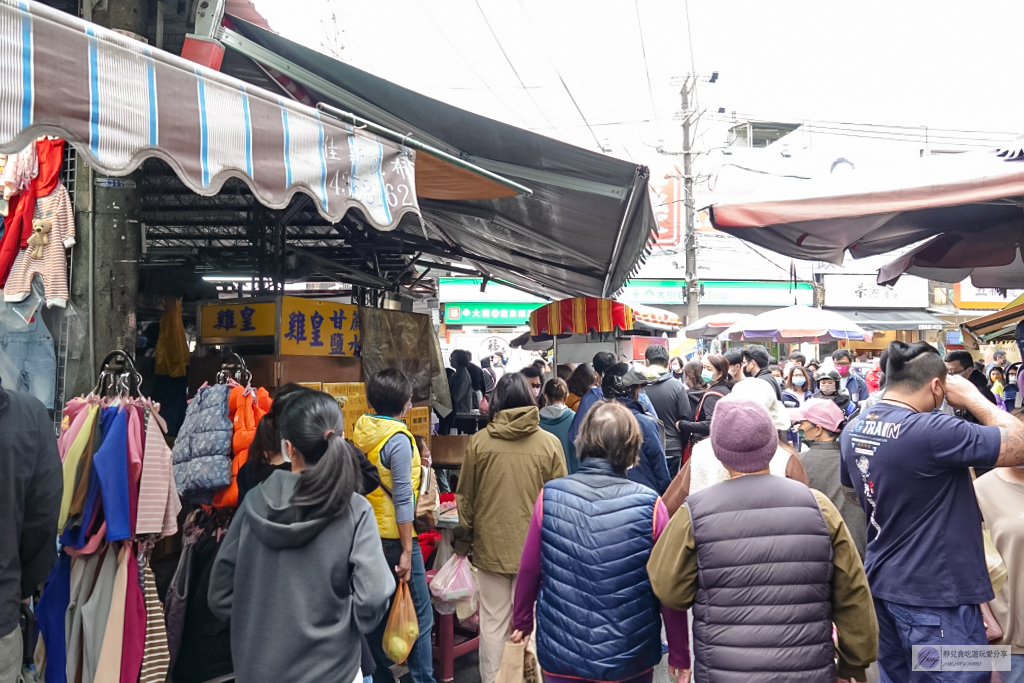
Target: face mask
(706, 376)
(1012, 379)
(748, 373)
(284, 451)
(799, 380)
(827, 390)
(802, 434)
(675, 367)
(536, 392)
(844, 370)
(941, 401)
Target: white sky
(911, 63)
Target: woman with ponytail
(308, 558)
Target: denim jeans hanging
(31, 357)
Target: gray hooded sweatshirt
(298, 593)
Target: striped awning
(580, 316)
(119, 102)
(588, 314)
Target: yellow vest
(370, 435)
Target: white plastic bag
(454, 581)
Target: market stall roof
(120, 102)
(961, 195)
(581, 232)
(894, 319)
(996, 327)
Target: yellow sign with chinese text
(238, 320)
(319, 328)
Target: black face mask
(748, 373)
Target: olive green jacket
(504, 470)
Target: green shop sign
(489, 313)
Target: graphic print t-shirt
(910, 471)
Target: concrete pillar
(105, 272)
(105, 269)
(124, 15)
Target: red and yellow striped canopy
(580, 316)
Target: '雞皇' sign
(238, 320)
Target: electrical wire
(882, 125)
(902, 132)
(892, 137)
(510, 65)
(558, 73)
(643, 49)
(469, 64)
(693, 62)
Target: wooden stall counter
(449, 450)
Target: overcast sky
(555, 66)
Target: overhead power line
(510, 64)
(643, 49)
(558, 73)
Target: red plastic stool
(450, 641)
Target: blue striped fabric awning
(118, 101)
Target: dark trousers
(901, 627)
(420, 661)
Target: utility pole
(689, 230)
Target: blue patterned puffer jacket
(202, 451)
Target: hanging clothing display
(51, 234)
(99, 618)
(29, 357)
(248, 406)
(202, 451)
(29, 175)
(199, 642)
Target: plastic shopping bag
(468, 606)
(403, 629)
(455, 580)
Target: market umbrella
(714, 325)
(963, 195)
(797, 324)
(991, 258)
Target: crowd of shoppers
(874, 528)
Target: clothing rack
(233, 367)
(118, 376)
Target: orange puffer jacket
(246, 408)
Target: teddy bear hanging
(39, 238)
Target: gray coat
(821, 463)
(303, 590)
(763, 609)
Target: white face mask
(284, 450)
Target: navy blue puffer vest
(597, 617)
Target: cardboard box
(344, 388)
(418, 421)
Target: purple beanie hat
(743, 435)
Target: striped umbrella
(797, 324)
